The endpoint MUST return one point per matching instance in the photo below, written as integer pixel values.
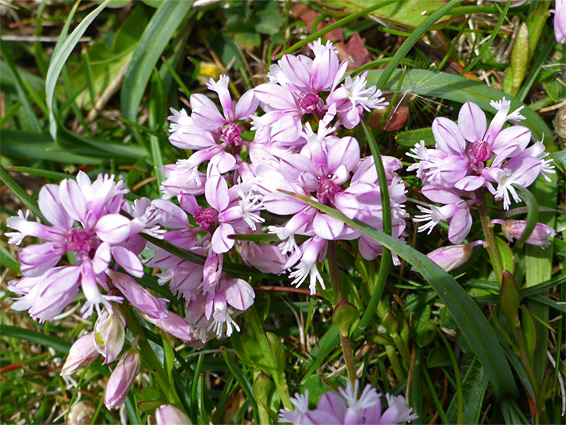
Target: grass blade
(62, 52)
(150, 48)
(35, 337)
(20, 193)
(462, 90)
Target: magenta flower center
(79, 240)
(231, 133)
(478, 154)
(308, 102)
(206, 217)
(328, 190)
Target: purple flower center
(79, 240)
(327, 191)
(206, 217)
(308, 102)
(231, 133)
(478, 154)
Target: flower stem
(332, 254)
(160, 375)
(491, 243)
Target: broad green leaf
(438, 356)
(462, 90)
(476, 329)
(412, 137)
(506, 255)
(155, 38)
(410, 13)
(474, 388)
(58, 60)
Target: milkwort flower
(348, 407)
(328, 170)
(101, 235)
(213, 136)
(471, 155)
(206, 289)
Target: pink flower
(513, 229)
(122, 378)
(99, 238)
(348, 408)
(453, 256)
(170, 415)
(560, 21)
(82, 353)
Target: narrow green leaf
(20, 193)
(471, 321)
(52, 175)
(18, 144)
(8, 261)
(462, 90)
(26, 334)
(62, 52)
(34, 121)
(532, 212)
(519, 61)
(244, 384)
(413, 39)
(155, 38)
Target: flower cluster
(470, 156)
(230, 178)
(348, 408)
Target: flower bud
(82, 353)
(513, 229)
(170, 415)
(453, 256)
(110, 333)
(122, 378)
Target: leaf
(462, 90)
(20, 193)
(532, 212)
(106, 62)
(49, 341)
(506, 255)
(474, 387)
(470, 319)
(155, 38)
(58, 60)
(268, 21)
(438, 357)
(244, 383)
(410, 13)
(412, 137)
(18, 144)
(8, 261)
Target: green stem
(159, 373)
(332, 254)
(385, 265)
(491, 243)
(280, 381)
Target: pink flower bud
(82, 353)
(110, 333)
(169, 415)
(453, 256)
(513, 229)
(122, 378)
